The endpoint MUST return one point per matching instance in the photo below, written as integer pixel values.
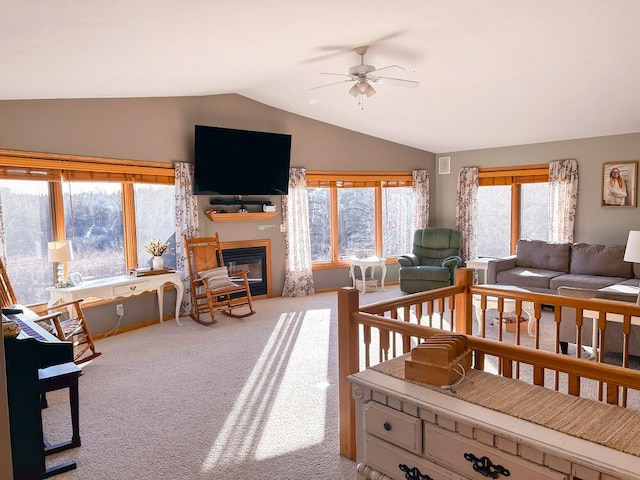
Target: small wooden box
(435, 360)
(369, 286)
(509, 324)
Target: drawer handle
(387, 426)
(132, 287)
(413, 473)
(485, 467)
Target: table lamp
(632, 252)
(60, 252)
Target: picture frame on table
(74, 279)
(620, 184)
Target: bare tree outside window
(155, 207)
(356, 221)
(27, 223)
(93, 214)
(319, 224)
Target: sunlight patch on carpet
(280, 394)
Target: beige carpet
(252, 398)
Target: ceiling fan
(364, 75)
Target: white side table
(364, 264)
(122, 286)
(509, 307)
(480, 267)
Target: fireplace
(253, 256)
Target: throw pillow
(217, 278)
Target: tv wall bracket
(235, 201)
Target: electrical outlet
(120, 310)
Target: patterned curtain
(563, 198)
(467, 211)
(420, 199)
(298, 277)
(186, 224)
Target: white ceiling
(491, 72)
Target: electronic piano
(34, 348)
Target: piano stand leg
(63, 467)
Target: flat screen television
(240, 162)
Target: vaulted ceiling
(491, 72)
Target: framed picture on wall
(619, 184)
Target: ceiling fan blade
(398, 82)
(340, 75)
(389, 69)
(329, 51)
(329, 84)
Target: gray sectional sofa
(546, 266)
(576, 270)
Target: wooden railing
(378, 332)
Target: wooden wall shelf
(240, 217)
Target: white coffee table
(509, 307)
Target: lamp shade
(60, 251)
(632, 252)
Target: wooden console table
(402, 426)
(123, 286)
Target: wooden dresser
(408, 431)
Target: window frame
(514, 176)
(333, 180)
(60, 168)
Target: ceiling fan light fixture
(369, 90)
(355, 91)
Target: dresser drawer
(396, 427)
(131, 288)
(386, 458)
(449, 448)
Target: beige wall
(161, 129)
(594, 224)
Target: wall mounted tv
(240, 162)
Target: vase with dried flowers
(156, 248)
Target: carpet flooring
(252, 398)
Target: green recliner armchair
(433, 263)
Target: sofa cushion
(636, 270)
(526, 277)
(589, 282)
(543, 255)
(591, 259)
(621, 291)
(438, 274)
(628, 284)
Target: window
(104, 206)
(155, 220)
(354, 213)
(94, 224)
(356, 222)
(397, 221)
(27, 229)
(512, 204)
(320, 224)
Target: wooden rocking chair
(213, 288)
(61, 320)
